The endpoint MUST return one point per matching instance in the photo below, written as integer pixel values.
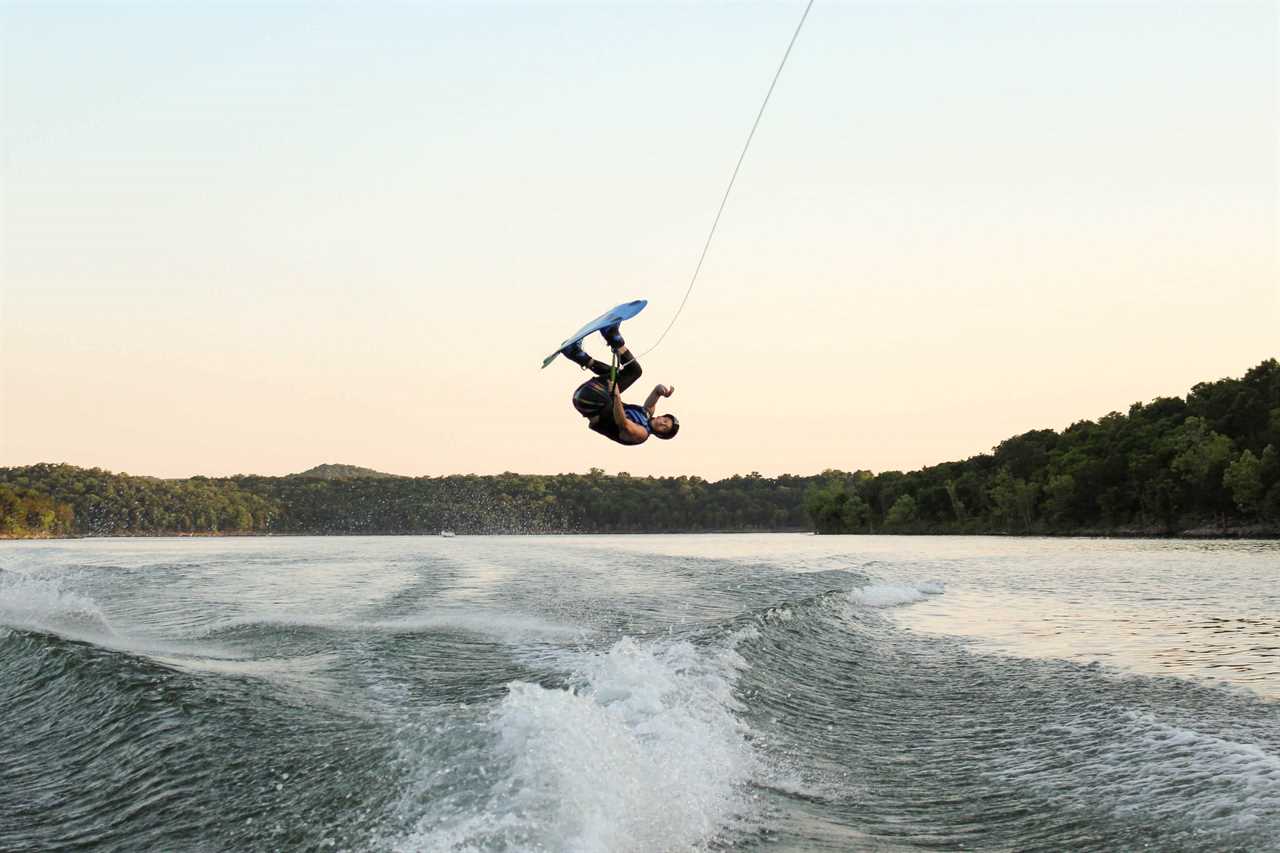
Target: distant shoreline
(1203, 467)
(1193, 535)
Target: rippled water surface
(639, 694)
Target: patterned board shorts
(592, 397)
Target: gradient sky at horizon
(254, 238)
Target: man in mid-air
(602, 405)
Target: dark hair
(675, 427)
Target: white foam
(1238, 780)
(645, 753)
(894, 594)
(489, 623)
(505, 626)
(43, 603)
(1143, 767)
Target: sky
(249, 238)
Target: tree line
(93, 502)
(1173, 465)
(1164, 467)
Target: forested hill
(65, 500)
(338, 472)
(1206, 463)
(1210, 462)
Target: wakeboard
(625, 311)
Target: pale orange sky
(243, 239)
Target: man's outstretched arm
(658, 392)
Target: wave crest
(644, 752)
(895, 594)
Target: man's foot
(613, 335)
(575, 353)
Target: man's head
(664, 426)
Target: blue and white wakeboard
(625, 311)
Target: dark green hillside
(1208, 463)
(93, 502)
(340, 472)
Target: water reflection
(1154, 636)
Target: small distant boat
(446, 533)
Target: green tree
(855, 515)
(1201, 451)
(1269, 467)
(1202, 456)
(1059, 498)
(958, 508)
(1014, 499)
(825, 503)
(1243, 478)
(902, 514)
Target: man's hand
(658, 391)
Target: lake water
(639, 693)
